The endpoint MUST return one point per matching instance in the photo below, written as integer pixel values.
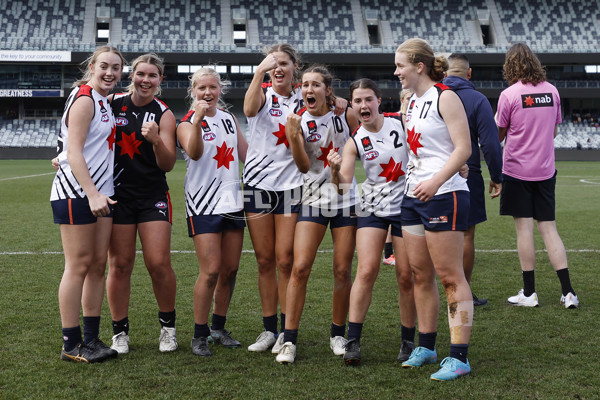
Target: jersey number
(149, 117)
(396, 136)
(228, 126)
(425, 110)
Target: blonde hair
(200, 72)
(91, 60)
(419, 51)
(152, 59)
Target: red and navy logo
(537, 100)
(121, 121)
(161, 205)
(371, 155)
(275, 102)
(205, 126)
(366, 143)
(209, 137)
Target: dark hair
(459, 57)
(365, 83)
(292, 53)
(418, 50)
(327, 78)
(521, 64)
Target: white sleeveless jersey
(321, 134)
(212, 183)
(429, 142)
(98, 149)
(384, 156)
(269, 162)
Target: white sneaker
(120, 343)
(265, 340)
(569, 301)
(167, 340)
(338, 345)
(523, 301)
(287, 354)
(278, 344)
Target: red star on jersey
(281, 138)
(391, 170)
(413, 140)
(129, 145)
(324, 152)
(528, 101)
(111, 138)
(224, 156)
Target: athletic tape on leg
(460, 315)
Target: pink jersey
(530, 114)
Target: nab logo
(205, 126)
(537, 100)
(120, 121)
(275, 102)
(371, 155)
(312, 127)
(366, 143)
(209, 137)
(275, 112)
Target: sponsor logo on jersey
(121, 121)
(371, 155)
(313, 138)
(312, 127)
(275, 102)
(537, 100)
(412, 104)
(205, 126)
(439, 220)
(124, 108)
(104, 118)
(366, 143)
(161, 205)
(102, 108)
(275, 112)
(209, 137)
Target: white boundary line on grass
(29, 253)
(26, 176)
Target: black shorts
(215, 223)
(477, 198)
(528, 199)
(74, 212)
(260, 201)
(333, 218)
(370, 220)
(135, 211)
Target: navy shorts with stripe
(215, 223)
(528, 199)
(75, 212)
(334, 218)
(260, 201)
(370, 220)
(135, 211)
(444, 212)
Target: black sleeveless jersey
(136, 173)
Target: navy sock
(565, 281)
(71, 337)
(290, 335)
(407, 333)
(218, 322)
(91, 328)
(427, 340)
(201, 331)
(354, 331)
(282, 319)
(121, 326)
(528, 283)
(270, 323)
(459, 351)
(338, 330)
(388, 250)
(167, 319)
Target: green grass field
(542, 353)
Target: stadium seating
(29, 133)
